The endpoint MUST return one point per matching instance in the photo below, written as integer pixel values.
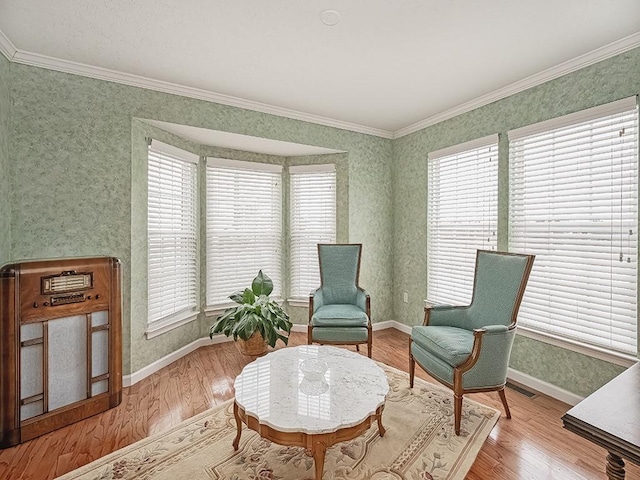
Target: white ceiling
(387, 65)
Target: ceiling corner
(7, 48)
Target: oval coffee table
(313, 410)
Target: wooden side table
(610, 417)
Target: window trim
(593, 113)
(167, 324)
(489, 140)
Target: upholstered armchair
(468, 348)
(339, 311)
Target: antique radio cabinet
(60, 344)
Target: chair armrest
(316, 301)
(363, 301)
(489, 360)
(493, 329)
(445, 315)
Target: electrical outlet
(405, 297)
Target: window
(574, 204)
(244, 226)
(462, 216)
(312, 213)
(172, 234)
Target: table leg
(319, 450)
(379, 418)
(615, 467)
(236, 441)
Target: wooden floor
(532, 445)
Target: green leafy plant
(255, 312)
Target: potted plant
(256, 321)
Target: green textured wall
(5, 115)
(74, 187)
(609, 80)
(71, 175)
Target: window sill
(163, 326)
(215, 310)
(218, 309)
(622, 359)
(298, 302)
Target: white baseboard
(375, 327)
(514, 375)
(144, 372)
(544, 387)
(398, 326)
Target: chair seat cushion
(340, 334)
(451, 344)
(339, 315)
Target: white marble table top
(274, 389)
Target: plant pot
(254, 347)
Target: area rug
(419, 444)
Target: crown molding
(7, 48)
(66, 66)
(33, 59)
(595, 56)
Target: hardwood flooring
(532, 445)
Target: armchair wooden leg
(369, 347)
(412, 367)
(457, 411)
(503, 397)
(357, 347)
(309, 335)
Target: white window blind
(172, 231)
(312, 199)
(244, 227)
(462, 216)
(574, 204)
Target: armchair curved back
(339, 272)
(499, 283)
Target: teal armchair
(468, 348)
(340, 311)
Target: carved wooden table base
(615, 467)
(317, 444)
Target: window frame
(211, 305)
(444, 166)
(160, 152)
(562, 126)
(295, 295)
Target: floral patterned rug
(419, 445)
